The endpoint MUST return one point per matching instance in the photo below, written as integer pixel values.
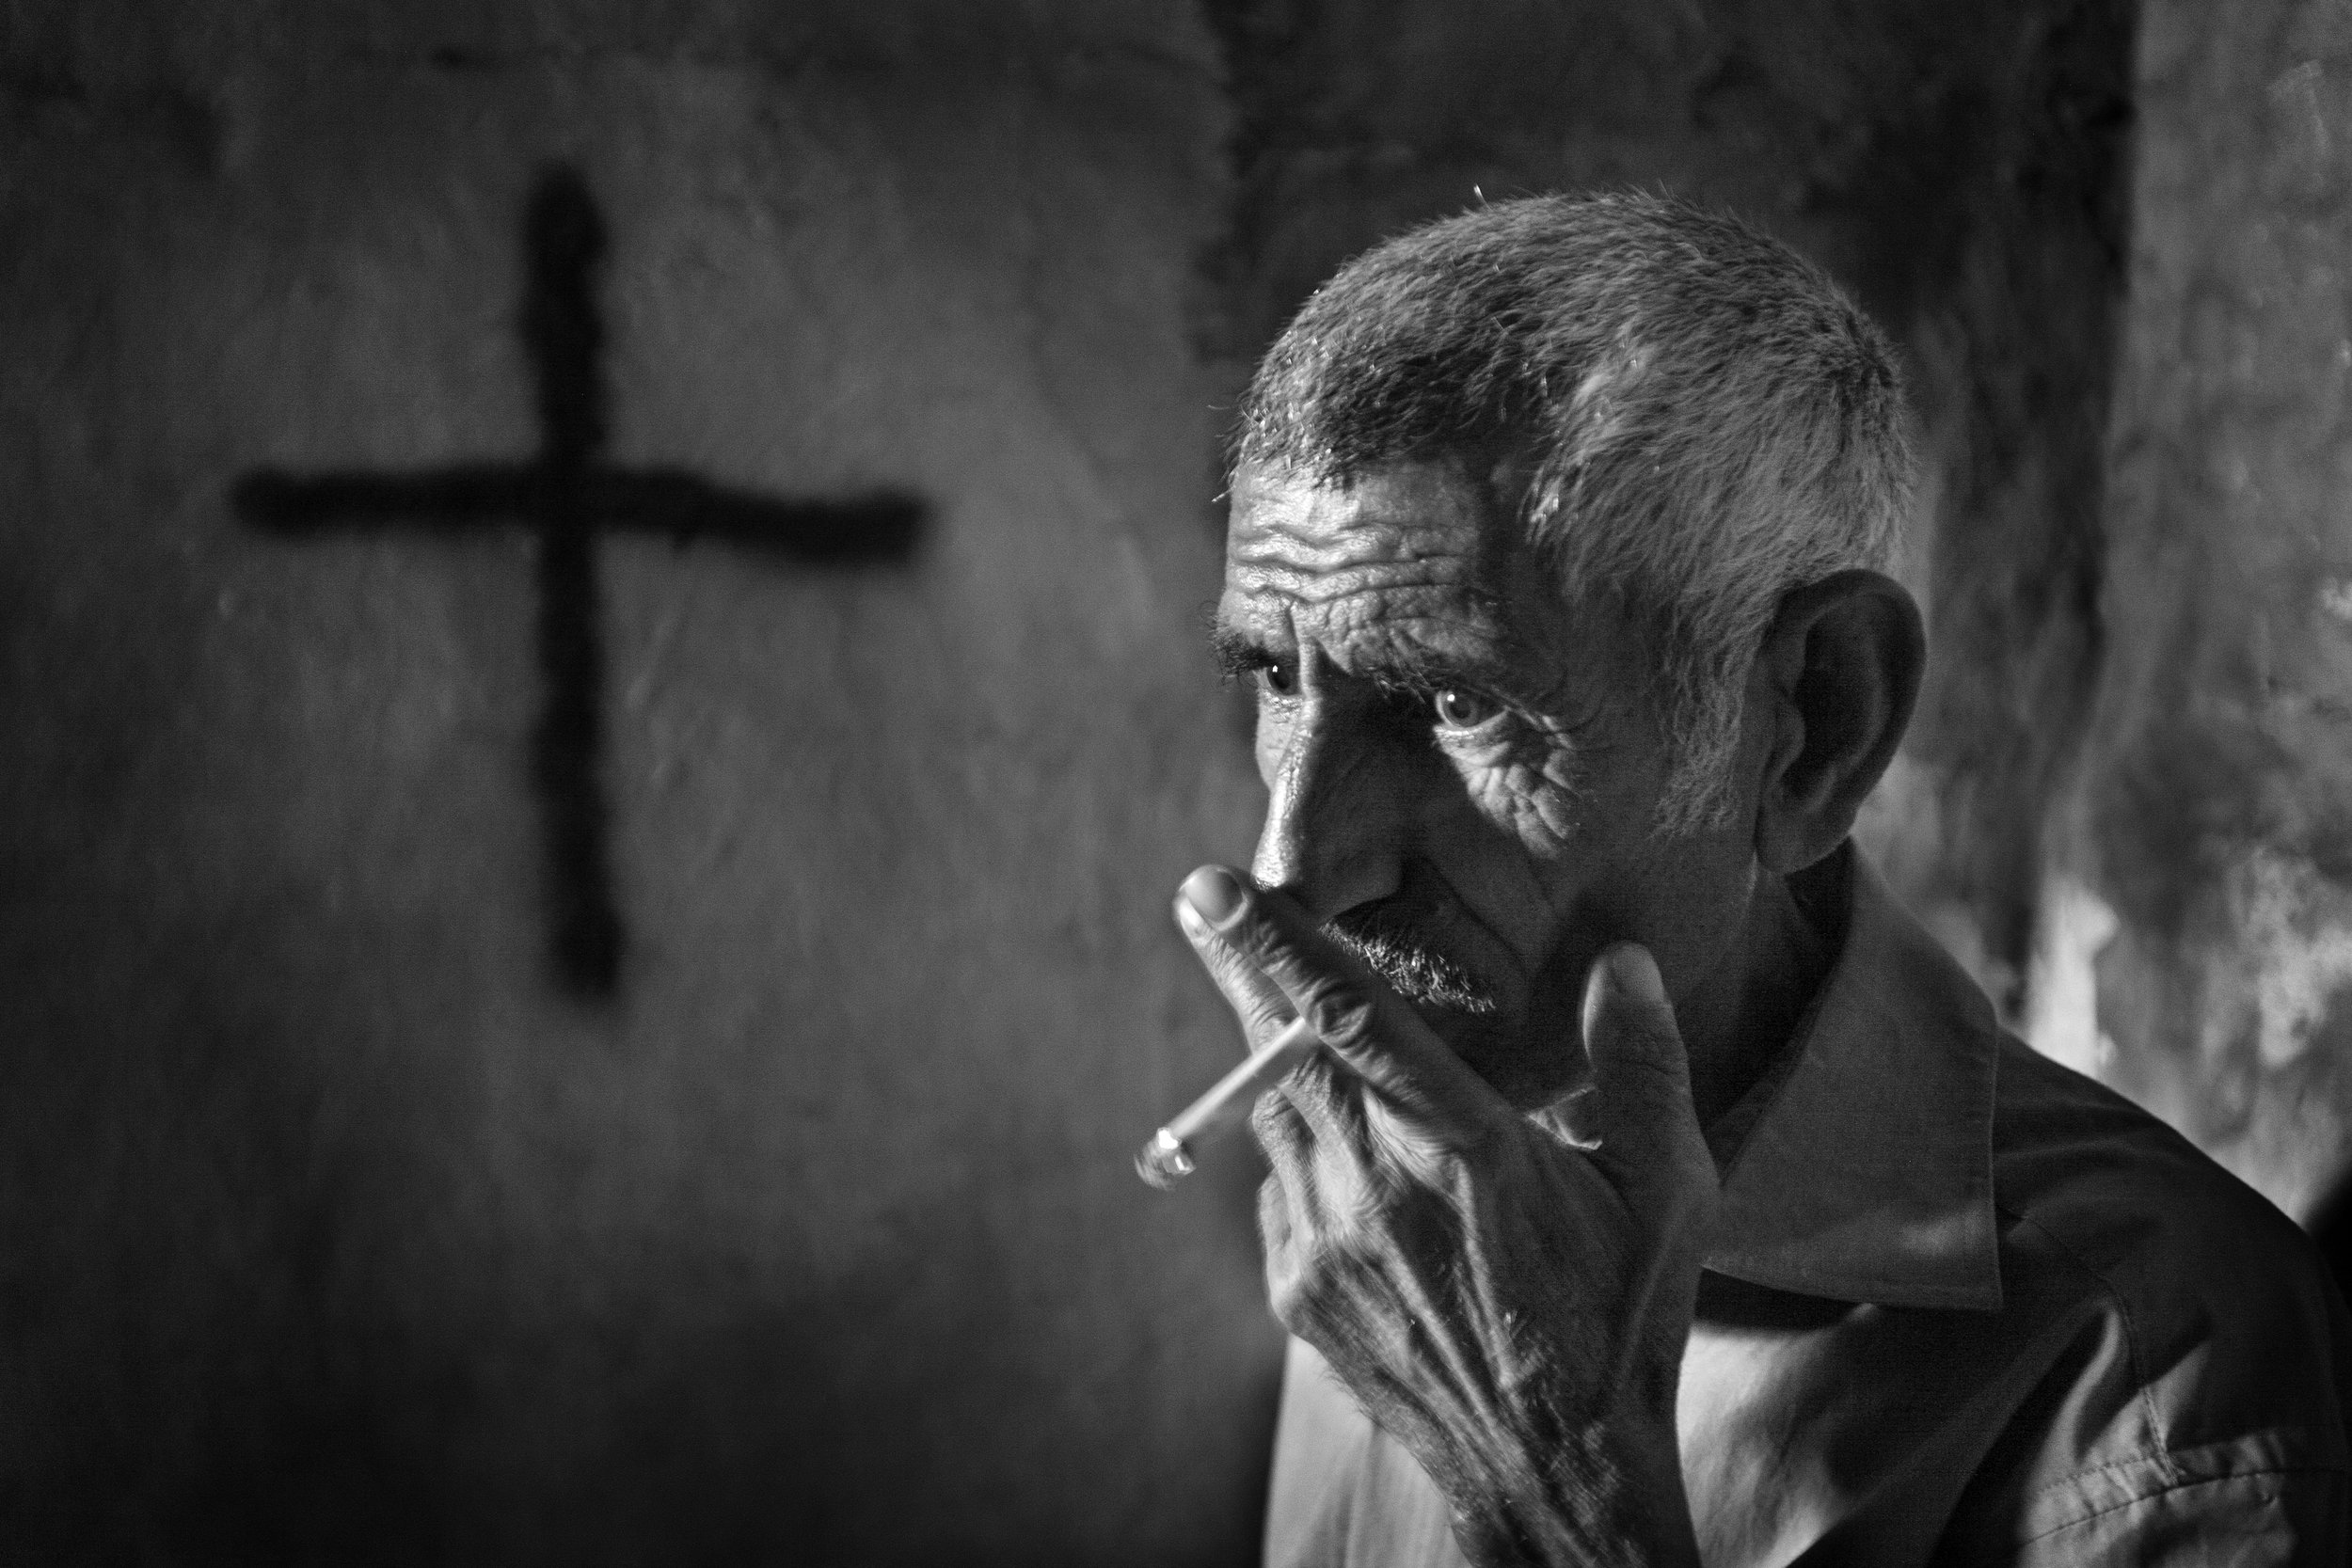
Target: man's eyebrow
(1421, 668)
(1419, 673)
(1407, 668)
(1236, 655)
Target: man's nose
(1335, 819)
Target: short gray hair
(1712, 423)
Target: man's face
(1462, 764)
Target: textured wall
(329, 1227)
(2200, 938)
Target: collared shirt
(1965, 1307)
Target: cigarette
(1168, 1156)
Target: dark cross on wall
(567, 495)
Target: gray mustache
(1398, 948)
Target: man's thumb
(1641, 1078)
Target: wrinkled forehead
(1410, 541)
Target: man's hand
(1508, 1295)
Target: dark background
(341, 1219)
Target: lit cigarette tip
(1167, 1158)
(1163, 1161)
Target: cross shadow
(567, 495)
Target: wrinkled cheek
(1272, 739)
(1553, 814)
(1541, 812)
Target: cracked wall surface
(330, 1230)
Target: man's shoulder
(2209, 1311)
(2123, 1194)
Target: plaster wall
(334, 1229)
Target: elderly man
(1662, 1194)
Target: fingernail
(1189, 918)
(1213, 890)
(1635, 973)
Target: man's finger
(1358, 1018)
(1637, 1109)
(1290, 1152)
(1256, 1001)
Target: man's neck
(1738, 1028)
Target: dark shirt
(1965, 1307)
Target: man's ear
(1836, 680)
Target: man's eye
(1274, 679)
(1458, 709)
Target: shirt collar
(1868, 1175)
